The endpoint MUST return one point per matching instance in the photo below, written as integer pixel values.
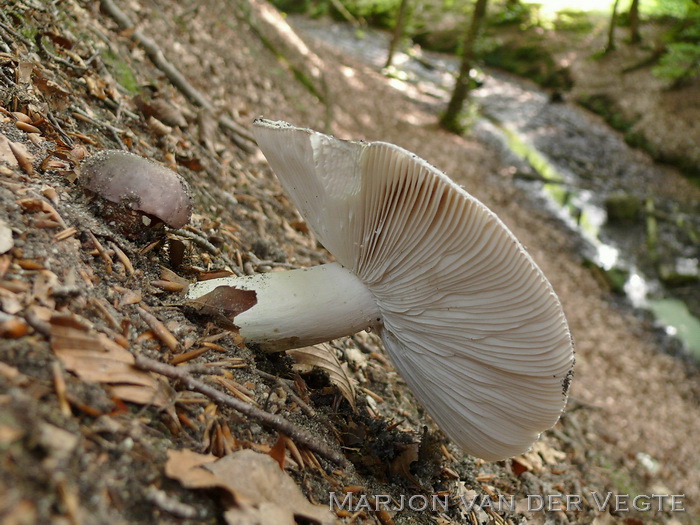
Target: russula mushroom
(468, 319)
(140, 185)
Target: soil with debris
(86, 436)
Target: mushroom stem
(299, 307)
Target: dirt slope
(633, 415)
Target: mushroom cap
(469, 320)
(140, 184)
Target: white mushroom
(467, 317)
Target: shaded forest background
(530, 39)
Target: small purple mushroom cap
(139, 184)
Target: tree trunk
(611, 32)
(398, 31)
(450, 119)
(635, 36)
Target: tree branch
(237, 133)
(266, 419)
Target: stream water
(581, 170)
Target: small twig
(111, 129)
(272, 421)
(238, 134)
(35, 321)
(198, 240)
(290, 391)
(12, 32)
(39, 39)
(101, 251)
(7, 80)
(57, 126)
(123, 259)
(60, 386)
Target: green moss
(121, 71)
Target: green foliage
(519, 14)
(381, 13)
(573, 20)
(681, 62)
(293, 6)
(665, 8)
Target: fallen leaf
(261, 491)
(6, 241)
(223, 304)
(401, 465)
(12, 327)
(521, 464)
(279, 451)
(273, 495)
(24, 158)
(130, 297)
(549, 454)
(185, 466)
(323, 357)
(6, 154)
(94, 357)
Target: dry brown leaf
(521, 464)
(24, 158)
(169, 275)
(12, 327)
(322, 356)
(94, 357)
(273, 495)
(401, 465)
(186, 467)
(6, 241)
(130, 297)
(261, 491)
(549, 454)
(223, 304)
(6, 155)
(279, 451)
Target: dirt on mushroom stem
(104, 475)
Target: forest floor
(71, 449)
(620, 86)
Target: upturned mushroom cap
(469, 320)
(140, 184)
